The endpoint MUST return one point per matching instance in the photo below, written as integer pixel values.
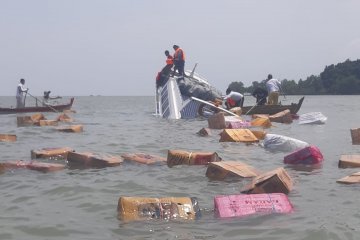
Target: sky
(116, 47)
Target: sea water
(81, 204)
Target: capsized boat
(174, 95)
(44, 108)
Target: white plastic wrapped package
(281, 143)
(312, 118)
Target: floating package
(307, 155)
(312, 118)
(179, 157)
(282, 143)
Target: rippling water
(81, 204)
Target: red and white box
(308, 155)
(247, 204)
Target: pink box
(307, 155)
(248, 204)
(238, 124)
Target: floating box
(353, 178)
(204, 132)
(140, 208)
(144, 158)
(70, 128)
(178, 157)
(276, 181)
(237, 135)
(7, 138)
(234, 122)
(217, 121)
(64, 118)
(260, 116)
(58, 153)
(349, 161)
(355, 136)
(307, 155)
(48, 123)
(282, 117)
(259, 134)
(84, 160)
(230, 169)
(37, 117)
(69, 111)
(23, 121)
(261, 122)
(33, 165)
(249, 204)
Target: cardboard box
(351, 179)
(217, 121)
(249, 204)
(261, 122)
(259, 134)
(33, 165)
(37, 117)
(282, 117)
(276, 181)
(88, 160)
(349, 161)
(144, 158)
(24, 121)
(230, 169)
(179, 157)
(70, 128)
(7, 138)
(64, 118)
(57, 153)
(237, 135)
(141, 208)
(204, 132)
(308, 155)
(260, 116)
(355, 136)
(48, 123)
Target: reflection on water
(82, 203)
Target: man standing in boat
(20, 90)
(233, 99)
(273, 87)
(179, 60)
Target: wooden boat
(49, 108)
(272, 109)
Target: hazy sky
(116, 47)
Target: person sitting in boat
(273, 87)
(20, 96)
(260, 94)
(179, 60)
(233, 99)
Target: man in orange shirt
(179, 60)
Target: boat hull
(272, 109)
(51, 108)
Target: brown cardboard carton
(88, 160)
(276, 181)
(37, 117)
(261, 122)
(217, 121)
(355, 136)
(349, 161)
(23, 121)
(351, 179)
(282, 117)
(260, 116)
(7, 138)
(64, 118)
(48, 123)
(259, 134)
(71, 128)
(230, 169)
(179, 157)
(204, 132)
(141, 208)
(237, 135)
(33, 165)
(143, 158)
(57, 153)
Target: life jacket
(169, 60)
(177, 54)
(231, 102)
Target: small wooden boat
(49, 108)
(272, 109)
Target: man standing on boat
(179, 60)
(273, 87)
(233, 99)
(20, 90)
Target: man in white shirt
(233, 99)
(273, 87)
(20, 90)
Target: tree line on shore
(340, 79)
